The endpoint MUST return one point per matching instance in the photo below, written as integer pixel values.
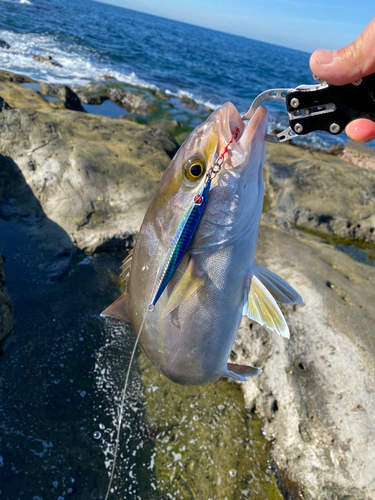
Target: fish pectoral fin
(262, 308)
(241, 372)
(190, 281)
(279, 288)
(118, 309)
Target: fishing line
(174, 255)
(122, 405)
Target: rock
(6, 308)
(320, 192)
(335, 149)
(165, 124)
(187, 102)
(91, 93)
(138, 104)
(4, 44)
(317, 392)
(64, 94)
(3, 105)
(108, 78)
(360, 155)
(159, 94)
(7, 76)
(47, 60)
(92, 176)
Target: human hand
(347, 65)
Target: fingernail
(324, 56)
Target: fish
(187, 326)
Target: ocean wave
(78, 65)
(27, 2)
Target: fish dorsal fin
(281, 291)
(125, 267)
(241, 372)
(118, 309)
(190, 281)
(262, 308)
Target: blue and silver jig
(187, 228)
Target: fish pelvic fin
(241, 372)
(281, 291)
(189, 282)
(262, 308)
(118, 309)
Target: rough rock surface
(91, 93)
(6, 308)
(92, 176)
(138, 104)
(8, 76)
(359, 155)
(317, 392)
(63, 93)
(320, 192)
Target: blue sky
(301, 24)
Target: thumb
(349, 64)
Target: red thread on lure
(216, 167)
(234, 136)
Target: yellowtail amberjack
(187, 315)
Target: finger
(349, 64)
(361, 130)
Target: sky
(301, 24)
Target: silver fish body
(191, 330)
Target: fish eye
(194, 169)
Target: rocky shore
(81, 182)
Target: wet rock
(91, 93)
(46, 60)
(6, 308)
(138, 104)
(165, 124)
(210, 438)
(320, 192)
(62, 94)
(317, 392)
(4, 44)
(108, 78)
(160, 95)
(187, 102)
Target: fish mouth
(254, 130)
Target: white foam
(79, 66)
(27, 2)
